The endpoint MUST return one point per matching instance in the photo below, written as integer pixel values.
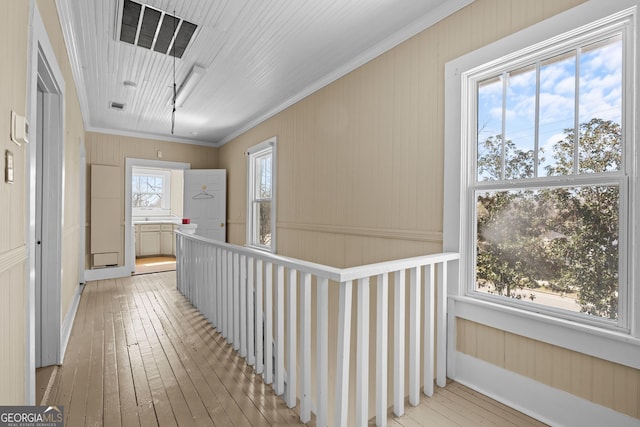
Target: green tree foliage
(566, 237)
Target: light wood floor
(141, 355)
(145, 265)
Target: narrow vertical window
(261, 223)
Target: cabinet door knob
(222, 224)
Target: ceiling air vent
(117, 106)
(154, 29)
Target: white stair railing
(251, 298)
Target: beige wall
(360, 162)
(13, 251)
(360, 179)
(112, 150)
(608, 384)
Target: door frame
(42, 64)
(130, 163)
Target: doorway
(156, 212)
(148, 231)
(48, 215)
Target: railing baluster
(343, 353)
(362, 368)
(231, 307)
(441, 360)
(305, 348)
(382, 319)
(236, 301)
(243, 306)
(202, 280)
(259, 318)
(414, 337)
(292, 308)
(398, 343)
(429, 329)
(279, 338)
(251, 360)
(322, 350)
(225, 302)
(219, 282)
(211, 283)
(268, 324)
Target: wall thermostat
(19, 129)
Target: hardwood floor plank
(110, 381)
(175, 334)
(75, 412)
(95, 379)
(144, 400)
(126, 389)
(269, 405)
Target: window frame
(616, 342)
(165, 209)
(544, 51)
(259, 150)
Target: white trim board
(39, 46)
(596, 342)
(542, 402)
(106, 273)
(67, 324)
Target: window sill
(598, 342)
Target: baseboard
(68, 322)
(106, 273)
(542, 402)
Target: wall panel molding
(12, 258)
(384, 233)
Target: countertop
(176, 221)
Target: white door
(205, 201)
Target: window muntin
(260, 203)
(549, 180)
(533, 106)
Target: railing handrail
(328, 272)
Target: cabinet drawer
(166, 227)
(149, 227)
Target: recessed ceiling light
(117, 106)
(130, 85)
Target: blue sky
(600, 95)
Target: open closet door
(205, 201)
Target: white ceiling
(260, 56)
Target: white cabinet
(149, 239)
(106, 239)
(137, 239)
(155, 239)
(167, 240)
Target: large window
(261, 201)
(150, 192)
(548, 175)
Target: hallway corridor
(141, 355)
